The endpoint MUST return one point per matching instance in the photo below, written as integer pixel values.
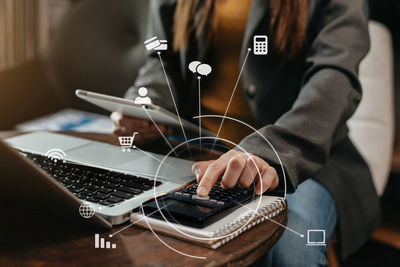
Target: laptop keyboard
(92, 184)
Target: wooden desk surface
(29, 238)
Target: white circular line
(208, 238)
(199, 138)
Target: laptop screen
(316, 236)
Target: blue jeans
(310, 207)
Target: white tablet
(140, 111)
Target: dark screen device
(186, 207)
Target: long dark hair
(288, 23)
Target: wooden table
(29, 238)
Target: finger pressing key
(213, 172)
(199, 168)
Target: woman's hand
(235, 167)
(147, 130)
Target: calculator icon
(260, 43)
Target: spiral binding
(273, 209)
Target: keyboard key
(81, 183)
(87, 193)
(88, 172)
(85, 178)
(130, 190)
(151, 183)
(100, 196)
(106, 203)
(217, 197)
(137, 185)
(115, 180)
(73, 177)
(94, 200)
(200, 198)
(114, 199)
(92, 187)
(115, 174)
(141, 180)
(83, 197)
(98, 182)
(102, 174)
(105, 190)
(111, 185)
(128, 178)
(75, 189)
(122, 194)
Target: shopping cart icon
(126, 142)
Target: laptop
(57, 173)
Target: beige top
(226, 46)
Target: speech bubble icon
(204, 69)
(193, 65)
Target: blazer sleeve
(329, 95)
(160, 83)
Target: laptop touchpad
(173, 169)
(104, 155)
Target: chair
(372, 125)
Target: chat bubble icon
(193, 65)
(204, 69)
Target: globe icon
(86, 210)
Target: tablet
(129, 108)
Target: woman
(299, 97)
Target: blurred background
(49, 48)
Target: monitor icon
(316, 237)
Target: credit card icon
(155, 44)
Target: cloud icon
(201, 68)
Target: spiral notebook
(222, 231)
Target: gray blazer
(300, 105)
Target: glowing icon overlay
(56, 154)
(101, 243)
(126, 142)
(86, 210)
(155, 44)
(142, 98)
(316, 237)
(260, 44)
(200, 68)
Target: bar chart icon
(101, 243)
